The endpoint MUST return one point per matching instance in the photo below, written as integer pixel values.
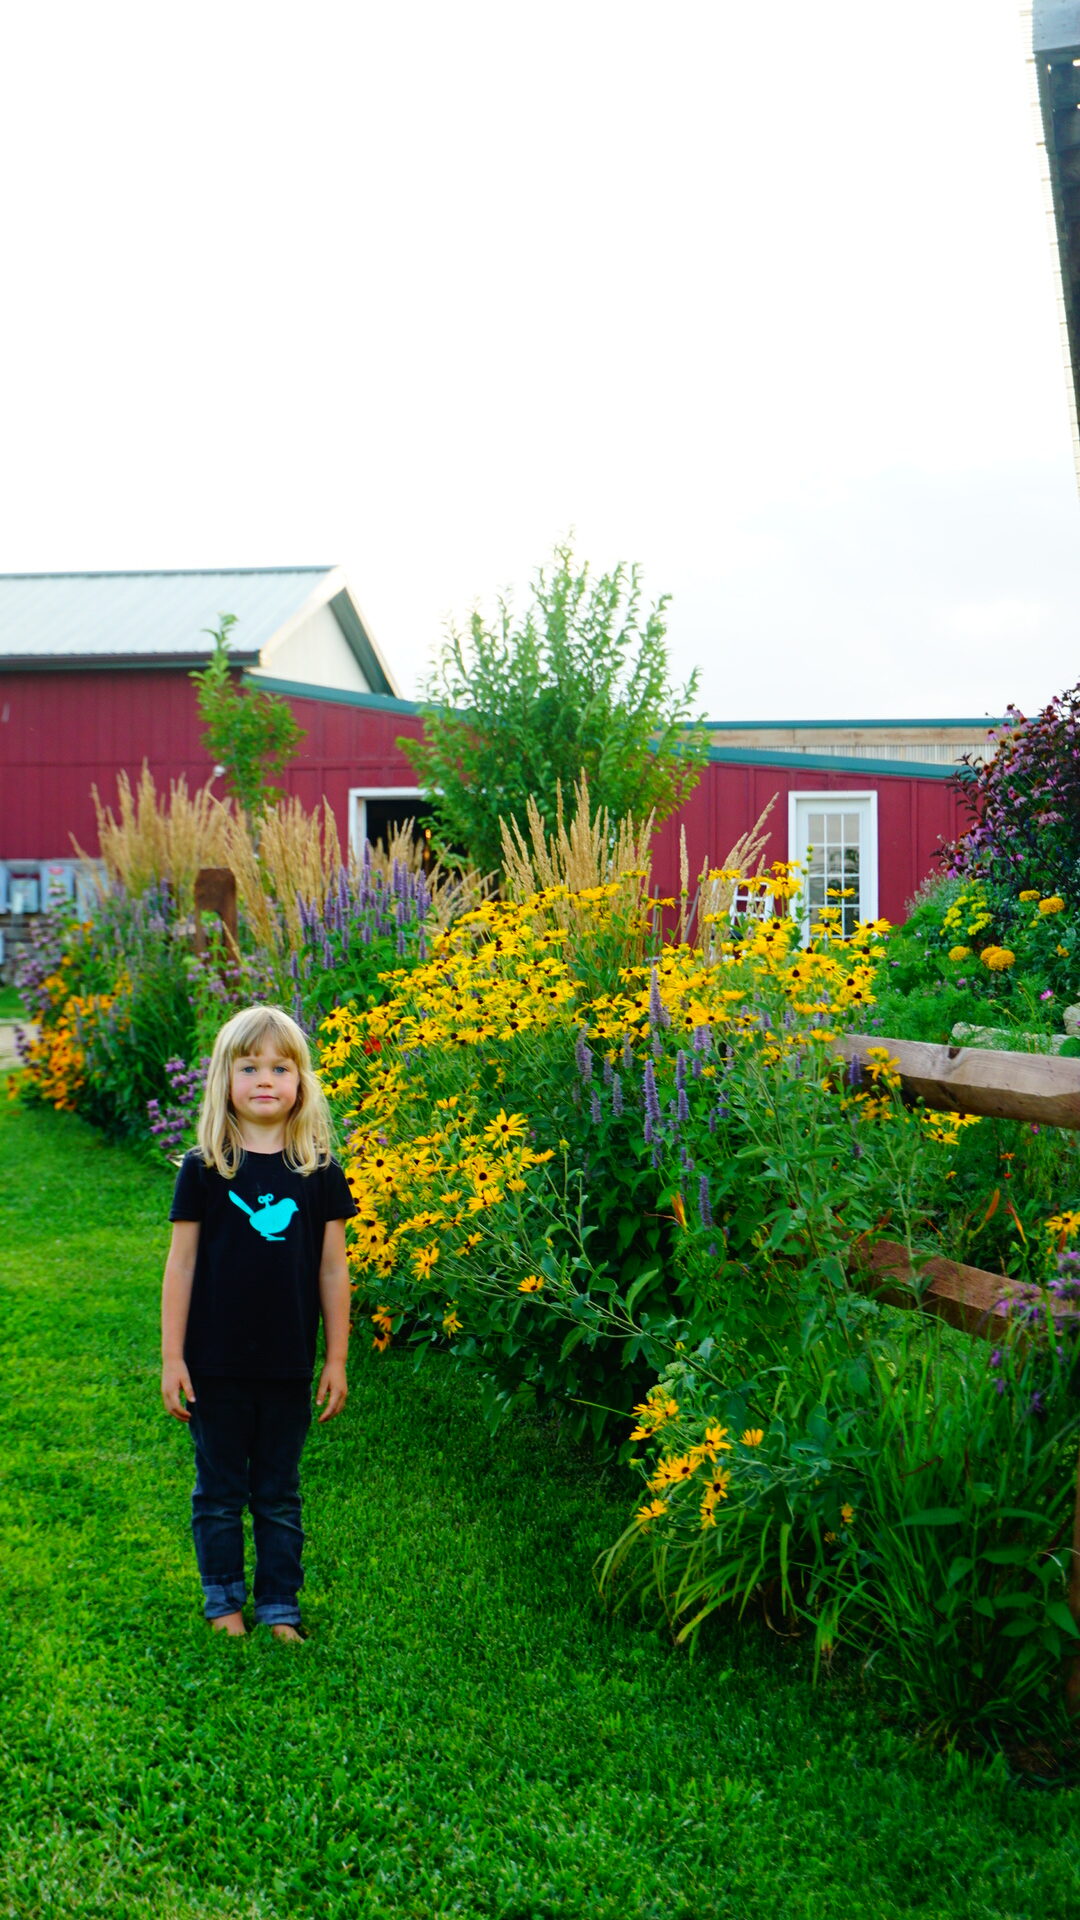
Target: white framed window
(834, 837)
(374, 807)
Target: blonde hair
(308, 1129)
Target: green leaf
(639, 1285)
(960, 1566)
(1058, 1612)
(573, 1339)
(1020, 1629)
(934, 1517)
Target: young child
(257, 1252)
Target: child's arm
(175, 1302)
(334, 1300)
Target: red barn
(95, 678)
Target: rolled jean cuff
(223, 1596)
(277, 1613)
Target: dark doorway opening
(384, 818)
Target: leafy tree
(580, 684)
(253, 735)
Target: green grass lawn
(11, 1007)
(466, 1732)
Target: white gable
(314, 652)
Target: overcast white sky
(763, 297)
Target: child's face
(264, 1086)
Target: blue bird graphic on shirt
(272, 1216)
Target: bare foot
(283, 1631)
(230, 1623)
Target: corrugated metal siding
(88, 614)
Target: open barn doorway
(378, 813)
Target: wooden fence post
(215, 892)
(1040, 1088)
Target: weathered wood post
(1040, 1088)
(215, 892)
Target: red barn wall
(914, 817)
(62, 732)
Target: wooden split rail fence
(1039, 1088)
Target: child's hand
(176, 1380)
(332, 1389)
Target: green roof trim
(333, 696)
(832, 762)
(983, 724)
(356, 634)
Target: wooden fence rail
(1039, 1088)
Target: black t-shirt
(255, 1296)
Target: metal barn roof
(160, 619)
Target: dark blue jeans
(249, 1435)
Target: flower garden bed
(608, 1163)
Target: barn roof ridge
(154, 573)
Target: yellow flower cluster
(56, 1063)
(503, 971)
(696, 1467)
(1052, 904)
(968, 914)
(946, 1128)
(998, 958)
(422, 1199)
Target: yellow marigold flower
(997, 958)
(1053, 904)
(752, 1436)
(532, 1283)
(1029, 893)
(959, 953)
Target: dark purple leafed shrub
(1025, 806)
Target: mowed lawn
(466, 1732)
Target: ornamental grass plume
(589, 852)
(152, 838)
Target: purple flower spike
(583, 1056)
(652, 1098)
(594, 1108)
(704, 1207)
(616, 1095)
